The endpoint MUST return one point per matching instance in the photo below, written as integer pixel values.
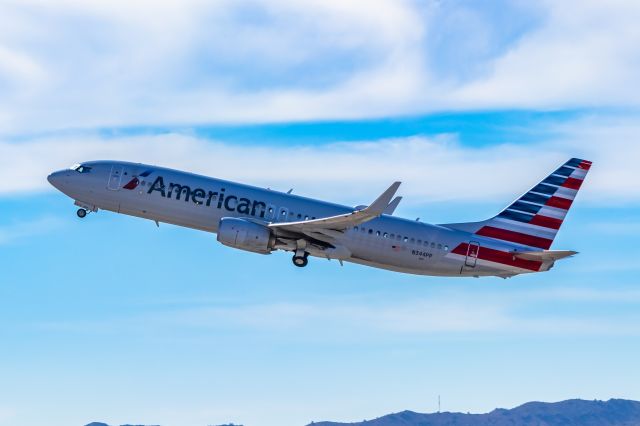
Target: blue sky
(468, 104)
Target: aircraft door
(115, 178)
(473, 249)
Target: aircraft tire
(300, 261)
(81, 213)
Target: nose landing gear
(84, 209)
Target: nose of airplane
(56, 178)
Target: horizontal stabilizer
(545, 255)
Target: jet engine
(245, 235)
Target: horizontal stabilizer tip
(545, 255)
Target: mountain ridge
(572, 412)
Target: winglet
(382, 202)
(345, 220)
(392, 206)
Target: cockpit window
(80, 168)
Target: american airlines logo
(133, 183)
(201, 196)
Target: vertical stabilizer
(534, 219)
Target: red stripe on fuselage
(515, 237)
(559, 202)
(547, 222)
(497, 256)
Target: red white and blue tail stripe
(535, 218)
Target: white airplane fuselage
(199, 202)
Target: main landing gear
(301, 261)
(300, 256)
(82, 213)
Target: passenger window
(299, 216)
(433, 245)
(307, 218)
(419, 242)
(398, 237)
(370, 231)
(378, 233)
(385, 235)
(355, 228)
(413, 241)
(439, 246)
(405, 239)
(270, 210)
(446, 248)
(426, 243)
(392, 236)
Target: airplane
(258, 220)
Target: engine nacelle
(245, 235)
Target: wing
(343, 221)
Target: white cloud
(433, 169)
(192, 61)
(68, 63)
(586, 53)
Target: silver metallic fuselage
(111, 186)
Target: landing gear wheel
(300, 261)
(81, 213)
